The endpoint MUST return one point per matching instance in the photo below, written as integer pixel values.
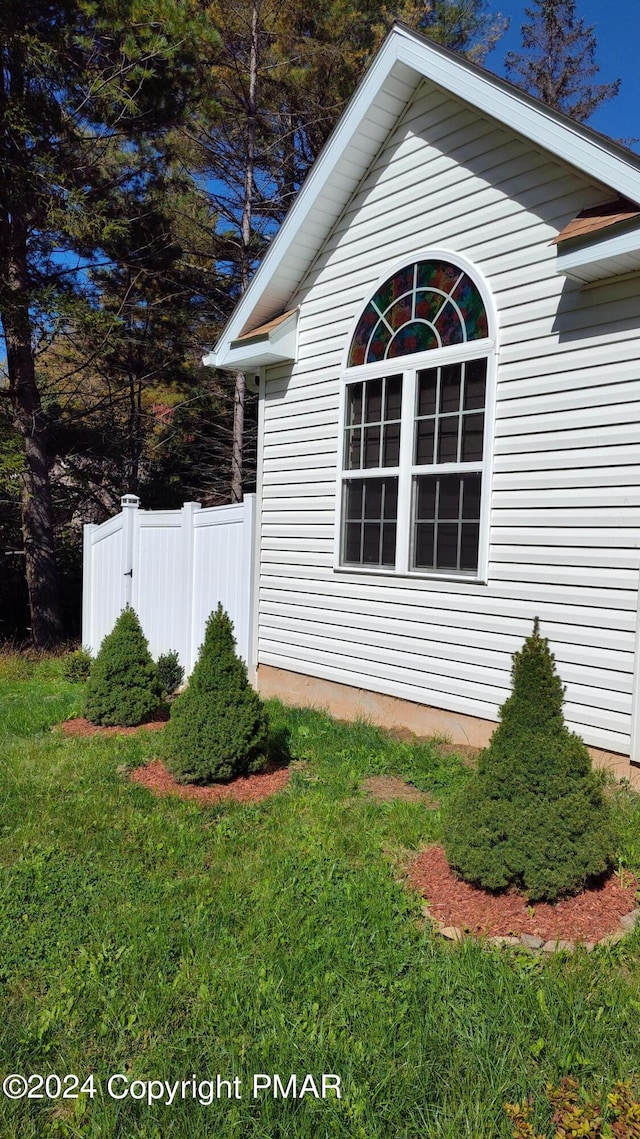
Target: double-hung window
(416, 427)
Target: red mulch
(82, 727)
(587, 917)
(245, 789)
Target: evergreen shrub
(123, 687)
(218, 727)
(170, 672)
(76, 666)
(533, 816)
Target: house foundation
(348, 703)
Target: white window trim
(408, 366)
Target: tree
(282, 75)
(218, 728)
(123, 687)
(558, 60)
(534, 815)
(83, 87)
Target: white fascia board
(276, 347)
(588, 262)
(408, 54)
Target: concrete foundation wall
(347, 703)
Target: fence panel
(173, 567)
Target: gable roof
(405, 59)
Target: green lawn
(165, 941)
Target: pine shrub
(533, 816)
(76, 666)
(170, 672)
(218, 728)
(123, 687)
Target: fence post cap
(130, 500)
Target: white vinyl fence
(172, 567)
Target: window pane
(352, 542)
(471, 496)
(391, 446)
(449, 497)
(389, 543)
(371, 447)
(391, 499)
(352, 449)
(423, 553)
(469, 546)
(370, 509)
(448, 439)
(427, 382)
(371, 543)
(354, 404)
(450, 388)
(425, 432)
(426, 498)
(447, 552)
(393, 397)
(373, 498)
(472, 433)
(373, 401)
(353, 498)
(475, 379)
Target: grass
(159, 939)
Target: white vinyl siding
(564, 538)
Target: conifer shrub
(533, 816)
(170, 672)
(123, 687)
(76, 666)
(218, 727)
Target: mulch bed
(245, 789)
(387, 788)
(588, 917)
(81, 727)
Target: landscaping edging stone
(535, 944)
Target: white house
(446, 331)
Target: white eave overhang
(272, 343)
(611, 255)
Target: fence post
(87, 586)
(188, 531)
(249, 577)
(129, 504)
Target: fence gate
(173, 567)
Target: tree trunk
(237, 453)
(47, 626)
(240, 388)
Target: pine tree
(83, 86)
(558, 60)
(218, 726)
(123, 687)
(533, 816)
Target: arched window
(415, 426)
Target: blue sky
(617, 30)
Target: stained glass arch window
(430, 304)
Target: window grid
(370, 434)
(462, 419)
(361, 520)
(466, 522)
